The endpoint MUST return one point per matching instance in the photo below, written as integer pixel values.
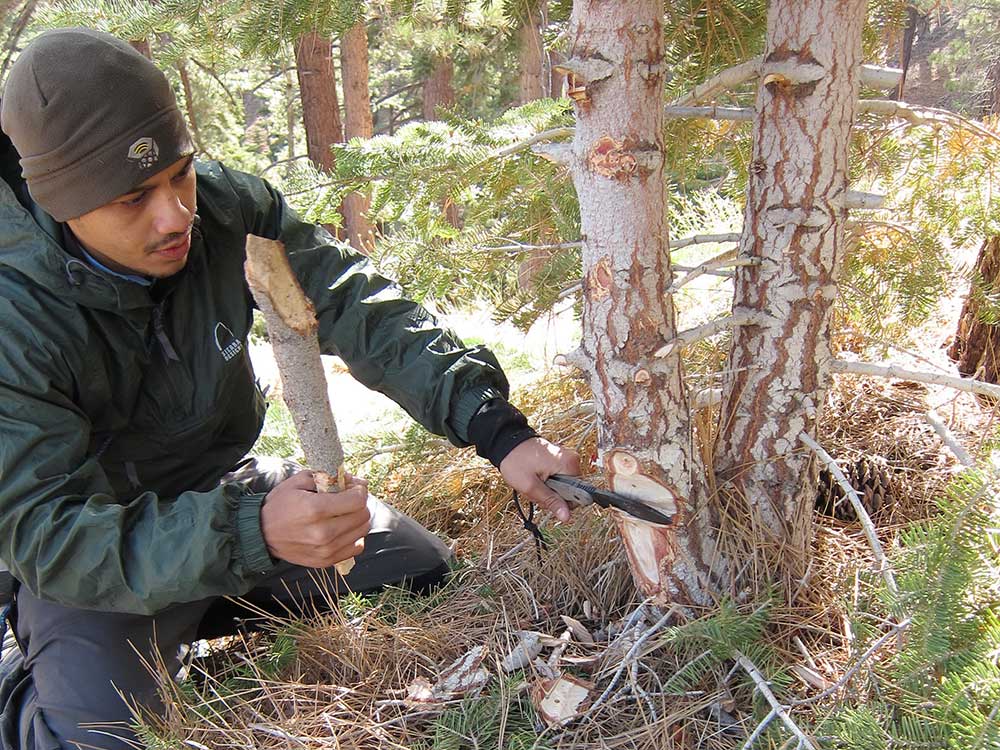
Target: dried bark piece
(465, 676)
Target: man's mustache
(171, 240)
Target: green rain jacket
(122, 406)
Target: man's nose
(171, 215)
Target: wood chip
(561, 700)
(465, 676)
(527, 648)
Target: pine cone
(870, 476)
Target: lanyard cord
(531, 526)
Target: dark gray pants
(82, 669)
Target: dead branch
(722, 260)
(727, 79)
(895, 371)
(690, 336)
(779, 710)
(863, 517)
(527, 143)
(932, 116)
(948, 438)
(516, 248)
(292, 326)
(856, 200)
(895, 630)
(872, 76)
(704, 239)
(735, 114)
(557, 153)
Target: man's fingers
(302, 480)
(542, 496)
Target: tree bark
(439, 93)
(16, 30)
(320, 109)
(644, 428)
(357, 124)
(189, 106)
(977, 343)
(531, 55)
(794, 225)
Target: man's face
(148, 230)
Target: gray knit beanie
(91, 118)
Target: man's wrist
(497, 428)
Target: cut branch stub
(291, 326)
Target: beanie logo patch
(145, 151)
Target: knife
(578, 492)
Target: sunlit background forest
(410, 130)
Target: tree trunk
(644, 430)
(794, 224)
(318, 92)
(189, 106)
(439, 94)
(977, 343)
(142, 47)
(531, 55)
(357, 124)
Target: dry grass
(341, 680)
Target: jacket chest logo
(229, 346)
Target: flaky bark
(357, 124)
(977, 343)
(617, 163)
(794, 225)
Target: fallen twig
(779, 710)
(948, 438)
(859, 509)
(894, 631)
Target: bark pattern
(617, 168)
(794, 224)
(976, 347)
(357, 124)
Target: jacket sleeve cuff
(250, 540)
(468, 406)
(497, 428)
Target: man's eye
(135, 201)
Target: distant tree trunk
(644, 428)
(318, 92)
(993, 91)
(531, 54)
(439, 92)
(977, 344)
(290, 119)
(357, 124)
(16, 30)
(776, 377)
(142, 47)
(189, 105)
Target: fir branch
(967, 385)
(777, 708)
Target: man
(127, 398)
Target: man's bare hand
(532, 462)
(315, 529)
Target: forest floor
(519, 632)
